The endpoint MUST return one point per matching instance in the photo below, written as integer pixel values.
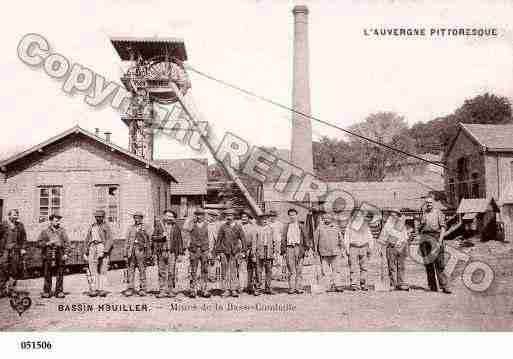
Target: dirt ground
(417, 309)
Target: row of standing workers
(258, 243)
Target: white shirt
(293, 234)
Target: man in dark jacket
(167, 246)
(54, 243)
(294, 244)
(136, 250)
(199, 253)
(13, 239)
(230, 244)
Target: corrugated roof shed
(191, 174)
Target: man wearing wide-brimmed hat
(54, 244)
(136, 250)
(199, 253)
(230, 244)
(98, 245)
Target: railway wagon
(32, 264)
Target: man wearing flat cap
(167, 244)
(54, 244)
(294, 244)
(13, 240)
(199, 253)
(230, 243)
(136, 250)
(249, 230)
(265, 247)
(98, 245)
(213, 228)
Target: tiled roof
(191, 174)
(493, 137)
(76, 130)
(384, 195)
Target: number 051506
(35, 345)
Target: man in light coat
(98, 246)
(359, 243)
(394, 236)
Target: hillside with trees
(354, 159)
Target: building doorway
(1, 209)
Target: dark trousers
(199, 259)
(267, 266)
(10, 261)
(253, 278)
(53, 265)
(395, 259)
(136, 260)
(433, 255)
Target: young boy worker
(264, 249)
(329, 245)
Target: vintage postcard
(256, 166)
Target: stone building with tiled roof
(479, 164)
(77, 172)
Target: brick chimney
(97, 132)
(107, 136)
(301, 148)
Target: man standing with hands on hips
(98, 244)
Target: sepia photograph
(256, 166)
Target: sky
(249, 43)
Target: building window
(452, 191)
(50, 202)
(107, 199)
(475, 185)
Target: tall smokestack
(301, 149)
